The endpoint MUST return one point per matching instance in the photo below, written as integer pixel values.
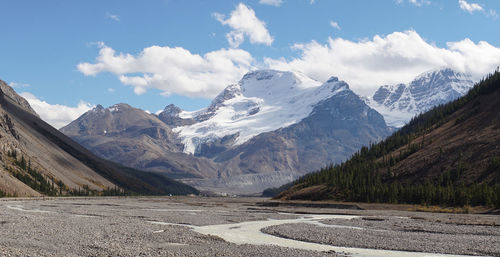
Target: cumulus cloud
(172, 69)
(244, 23)
(395, 58)
(271, 2)
(335, 25)
(469, 7)
(55, 114)
(365, 64)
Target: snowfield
(262, 101)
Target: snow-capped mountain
(399, 103)
(263, 131)
(262, 101)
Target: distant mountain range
(399, 103)
(267, 129)
(37, 159)
(449, 155)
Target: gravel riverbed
(163, 226)
(397, 233)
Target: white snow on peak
(261, 101)
(97, 109)
(114, 108)
(399, 103)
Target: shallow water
(249, 232)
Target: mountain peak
(262, 101)
(119, 107)
(273, 84)
(98, 108)
(336, 84)
(332, 79)
(171, 110)
(442, 71)
(398, 103)
(444, 77)
(260, 74)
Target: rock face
(37, 159)
(8, 91)
(399, 103)
(264, 131)
(170, 116)
(135, 138)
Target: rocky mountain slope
(37, 159)
(399, 103)
(135, 138)
(265, 130)
(449, 155)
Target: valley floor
(201, 226)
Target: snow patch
(399, 103)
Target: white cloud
(469, 7)
(475, 7)
(365, 64)
(335, 25)
(173, 70)
(271, 2)
(55, 114)
(244, 23)
(391, 59)
(112, 16)
(111, 90)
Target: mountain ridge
(38, 159)
(275, 108)
(261, 102)
(448, 155)
(401, 102)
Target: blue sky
(66, 56)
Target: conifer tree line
(359, 179)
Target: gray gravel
(397, 233)
(122, 227)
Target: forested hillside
(449, 155)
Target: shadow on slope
(129, 179)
